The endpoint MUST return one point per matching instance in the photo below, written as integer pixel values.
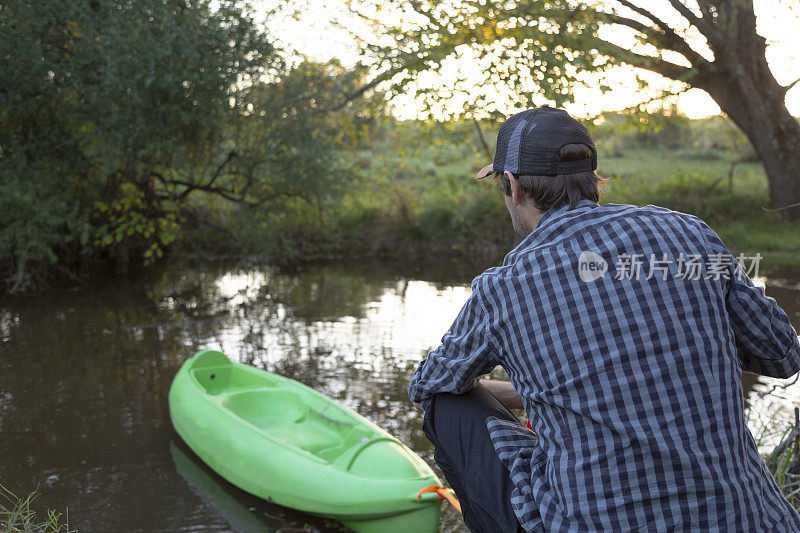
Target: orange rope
(443, 493)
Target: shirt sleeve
(766, 342)
(467, 351)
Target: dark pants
(456, 426)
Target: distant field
(429, 196)
(657, 164)
(412, 192)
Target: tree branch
(665, 37)
(482, 138)
(633, 24)
(706, 29)
(238, 197)
(706, 10)
(359, 92)
(678, 43)
(217, 173)
(645, 13)
(787, 88)
(225, 193)
(386, 75)
(654, 64)
(665, 93)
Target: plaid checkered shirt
(631, 382)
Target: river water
(84, 377)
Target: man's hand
(505, 392)
(418, 406)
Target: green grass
(784, 467)
(734, 208)
(411, 193)
(17, 515)
(649, 164)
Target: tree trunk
(775, 135)
(741, 82)
(482, 139)
(781, 159)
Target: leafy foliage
(521, 50)
(517, 51)
(114, 115)
(542, 48)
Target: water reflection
(84, 376)
(243, 512)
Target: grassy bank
(18, 515)
(360, 185)
(410, 193)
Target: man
(624, 331)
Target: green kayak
(282, 441)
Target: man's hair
(551, 191)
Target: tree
(97, 98)
(115, 115)
(545, 46)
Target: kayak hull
(286, 443)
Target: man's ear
(516, 192)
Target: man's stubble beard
(521, 227)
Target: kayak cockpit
(281, 413)
(284, 416)
(225, 378)
(309, 423)
(322, 429)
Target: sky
(317, 33)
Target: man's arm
(766, 342)
(468, 351)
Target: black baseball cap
(528, 144)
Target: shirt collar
(558, 211)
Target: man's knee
(477, 403)
(447, 403)
(448, 412)
(452, 418)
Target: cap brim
(485, 171)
